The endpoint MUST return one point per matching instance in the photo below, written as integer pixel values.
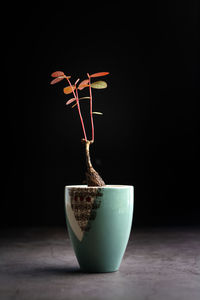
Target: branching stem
(79, 109)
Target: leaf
(83, 84)
(77, 81)
(84, 98)
(70, 101)
(57, 73)
(69, 89)
(99, 85)
(97, 113)
(74, 105)
(57, 79)
(99, 74)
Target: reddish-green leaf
(57, 79)
(99, 85)
(70, 101)
(99, 74)
(57, 73)
(83, 84)
(68, 89)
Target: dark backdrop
(148, 135)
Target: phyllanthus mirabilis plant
(92, 177)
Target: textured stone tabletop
(159, 264)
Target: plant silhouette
(92, 176)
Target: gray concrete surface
(159, 264)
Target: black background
(148, 135)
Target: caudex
(92, 176)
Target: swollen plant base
(99, 223)
(92, 176)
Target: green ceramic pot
(99, 222)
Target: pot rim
(107, 186)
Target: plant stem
(87, 151)
(92, 177)
(79, 109)
(91, 115)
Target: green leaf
(97, 113)
(99, 85)
(84, 98)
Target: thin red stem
(79, 109)
(91, 115)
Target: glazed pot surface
(99, 222)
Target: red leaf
(57, 73)
(70, 101)
(57, 79)
(99, 74)
(83, 84)
(68, 89)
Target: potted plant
(98, 216)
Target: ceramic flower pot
(99, 222)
